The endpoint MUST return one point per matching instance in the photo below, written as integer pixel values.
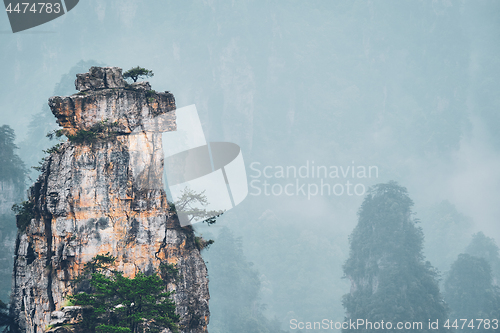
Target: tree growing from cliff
(470, 292)
(191, 205)
(115, 303)
(389, 279)
(137, 73)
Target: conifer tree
(114, 303)
(137, 73)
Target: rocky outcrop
(105, 97)
(100, 78)
(104, 193)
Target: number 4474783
(465, 323)
(22, 8)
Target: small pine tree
(137, 72)
(191, 206)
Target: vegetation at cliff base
(115, 303)
(137, 73)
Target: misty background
(408, 86)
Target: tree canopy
(137, 72)
(389, 279)
(470, 292)
(115, 303)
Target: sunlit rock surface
(105, 196)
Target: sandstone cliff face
(105, 195)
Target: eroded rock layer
(103, 193)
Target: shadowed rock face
(104, 196)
